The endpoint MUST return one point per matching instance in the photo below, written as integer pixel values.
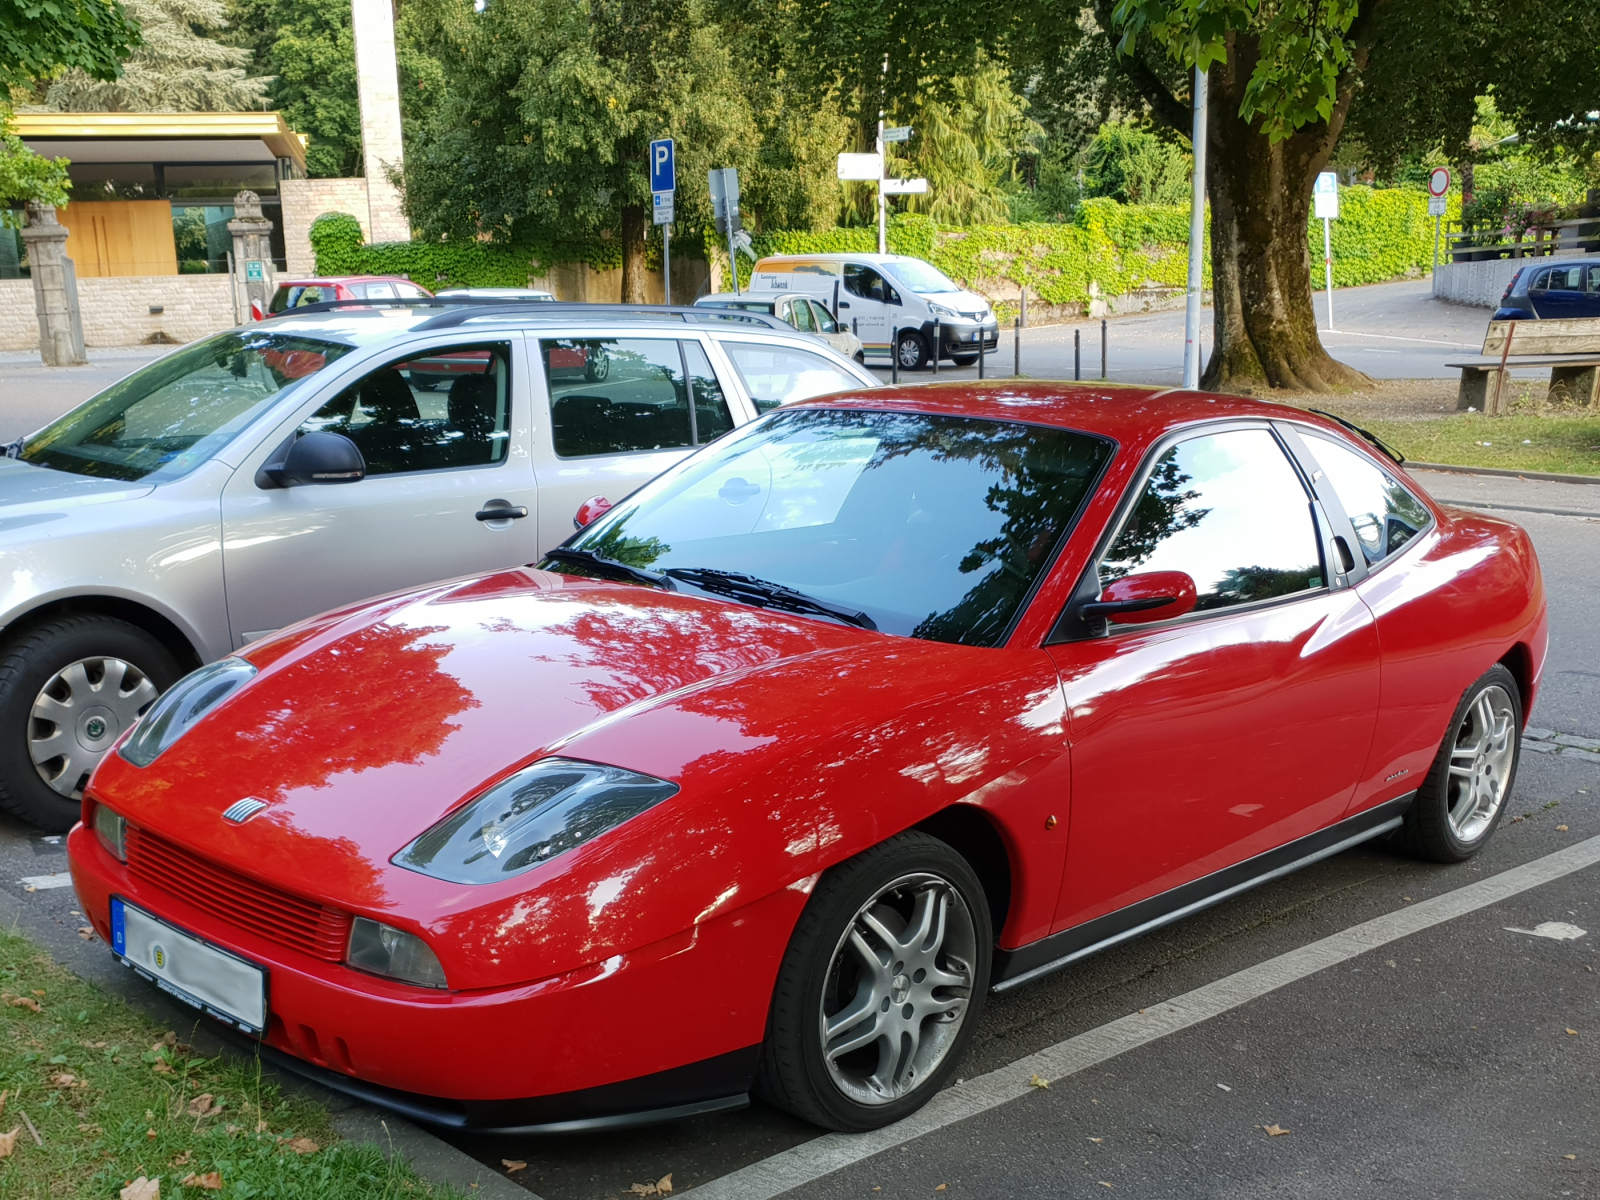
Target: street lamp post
(1197, 234)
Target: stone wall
(304, 200)
(116, 311)
(1479, 283)
(583, 284)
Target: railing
(1578, 236)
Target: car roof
(325, 280)
(887, 259)
(739, 298)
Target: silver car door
(443, 428)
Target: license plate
(196, 972)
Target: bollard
(938, 336)
(894, 355)
(1023, 317)
(981, 354)
(1077, 354)
(1016, 346)
(1103, 373)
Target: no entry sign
(1439, 181)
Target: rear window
(297, 295)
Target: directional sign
(724, 185)
(663, 207)
(1439, 181)
(663, 167)
(898, 133)
(1326, 196)
(905, 187)
(254, 272)
(861, 166)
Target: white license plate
(194, 971)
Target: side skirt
(1013, 968)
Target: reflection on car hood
(25, 484)
(962, 302)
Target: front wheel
(881, 987)
(1464, 796)
(912, 352)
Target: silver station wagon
(266, 474)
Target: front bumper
(957, 336)
(628, 1039)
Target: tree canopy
(40, 38)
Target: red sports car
(769, 775)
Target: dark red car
(770, 774)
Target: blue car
(1552, 289)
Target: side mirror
(320, 457)
(1140, 599)
(590, 511)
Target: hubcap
(77, 716)
(910, 352)
(898, 989)
(1480, 764)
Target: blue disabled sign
(254, 272)
(663, 170)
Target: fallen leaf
(513, 1165)
(150, 1135)
(943, 1187)
(8, 1142)
(1097, 1141)
(203, 1105)
(661, 1187)
(1039, 1082)
(1572, 1032)
(182, 1160)
(88, 1129)
(86, 932)
(1103, 1183)
(1561, 828)
(27, 1002)
(211, 1181)
(142, 1189)
(3, 1096)
(162, 1067)
(1570, 1157)
(261, 1127)
(39, 992)
(1275, 1130)
(63, 1080)
(302, 1145)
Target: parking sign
(663, 168)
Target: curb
(1501, 472)
(434, 1160)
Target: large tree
(38, 41)
(308, 49)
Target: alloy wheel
(898, 989)
(79, 713)
(1481, 761)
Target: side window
(774, 375)
(1384, 514)
(450, 408)
(380, 291)
(620, 395)
(826, 323)
(1593, 286)
(1541, 281)
(410, 291)
(1229, 510)
(861, 280)
(800, 315)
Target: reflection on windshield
(165, 420)
(920, 277)
(934, 526)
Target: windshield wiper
(611, 567)
(13, 449)
(764, 593)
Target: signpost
(724, 184)
(869, 168)
(1438, 191)
(1197, 236)
(1326, 198)
(663, 189)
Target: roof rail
(460, 309)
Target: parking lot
(1250, 1050)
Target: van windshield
(921, 277)
(163, 421)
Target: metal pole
(982, 354)
(883, 219)
(1197, 235)
(938, 336)
(666, 261)
(1436, 221)
(894, 355)
(1016, 345)
(1022, 319)
(733, 258)
(1077, 354)
(1327, 266)
(1104, 374)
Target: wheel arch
(1519, 661)
(156, 624)
(971, 833)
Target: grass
(114, 1096)
(1568, 444)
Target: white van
(893, 303)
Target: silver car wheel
(1481, 760)
(898, 989)
(79, 713)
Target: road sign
(898, 133)
(861, 166)
(663, 167)
(1326, 196)
(905, 187)
(1438, 181)
(254, 272)
(724, 185)
(1436, 205)
(663, 207)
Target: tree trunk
(1266, 329)
(633, 228)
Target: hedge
(1108, 248)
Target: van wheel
(861, 357)
(963, 360)
(68, 689)
(911, 351)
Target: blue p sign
(663, 172)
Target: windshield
(162, 422)
(921, 277)
(935, 527)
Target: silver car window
(1384, 515)
(621, 395)
(776, 374)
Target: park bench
(1570, 348)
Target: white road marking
(1558, 930)
(835, 1151)
(41, 883)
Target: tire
(1464, 796)
(107, 672)
(963, 360)
(911, 350)
(861, 358)
(903, 884)
(598, 365)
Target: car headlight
(384, 950)
(112, 830)
(941, 310)
(526, 819)
(184, 703)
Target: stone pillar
(55, 289)
(378, 85)
(252, 258)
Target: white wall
(116, 310)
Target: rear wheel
(1464, 796)
(910, 349)
(68, 689)
(881, 987)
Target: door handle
(501, 510)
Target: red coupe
(764, 779)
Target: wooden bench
(1570, 348)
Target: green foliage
(336, 238)
(39, 39)
(26, 176)
(1381, 233)
(1135, 166)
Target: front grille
(263, 910)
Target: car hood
(365, 727)
(30, 494)
(962, 302)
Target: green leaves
(40, 38)
(25, 176)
